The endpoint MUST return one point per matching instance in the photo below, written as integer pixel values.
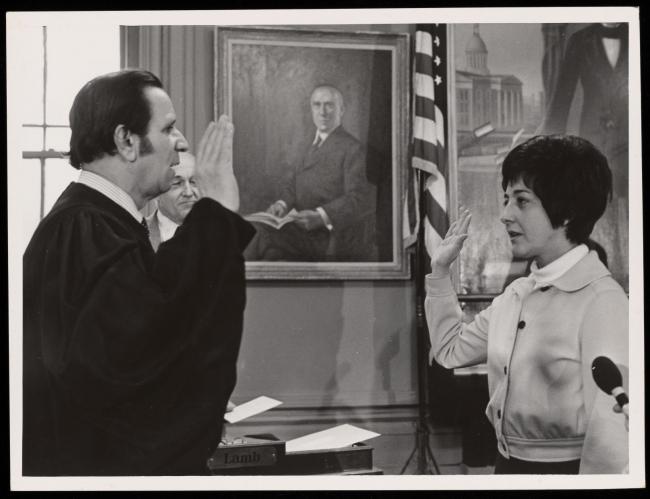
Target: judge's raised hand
(214, 167)
(448, 250)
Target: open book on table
(271, 220)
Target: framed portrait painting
(320, 148)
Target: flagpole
(428, 158)
(422, 447)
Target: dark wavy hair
(104, 103)
(568, 174)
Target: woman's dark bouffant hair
(104, 103)
(570, 177)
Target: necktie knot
(143, 222)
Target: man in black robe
(129, 355)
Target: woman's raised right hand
(448, 250)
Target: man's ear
(126, 143)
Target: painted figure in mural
(540, 336)
(327, 195)
(597, 58)
(129, 355)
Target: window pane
(58, 139)
(75, 54)
(31, 77)
(31, 139)
(58, 174)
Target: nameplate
(246, 455)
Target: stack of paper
(248, 409)
(333, 438)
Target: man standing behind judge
(329, 190)
(129, 355)
(175, 204)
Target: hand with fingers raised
(214, 168)
(447, 251)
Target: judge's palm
(214, 166)
(448, 250)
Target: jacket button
(521, 325)
(499, 413)
(505, 369)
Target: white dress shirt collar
(111, 191)
(166, 225)
(323, 136)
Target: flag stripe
(435, 213)
(437, 187)
(423, 63)
(423, 149)
(423, 41)
(440, 129)
(411, 213)
(424, 84)
(424, 108)
(431, 237)
(424, 129)
(430, 130)
(424, 165)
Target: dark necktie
(144, 224)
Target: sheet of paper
(332, 438)
(250, 408)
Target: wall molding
(348, 399)
(324, 415)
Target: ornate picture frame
(264, 79)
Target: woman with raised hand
(540, 336)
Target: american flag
(430, 109)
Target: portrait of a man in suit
(321, 119)
(326, 194)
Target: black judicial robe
(128, 355)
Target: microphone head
(606, 374)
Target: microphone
(609, 379)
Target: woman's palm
(449, 249)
